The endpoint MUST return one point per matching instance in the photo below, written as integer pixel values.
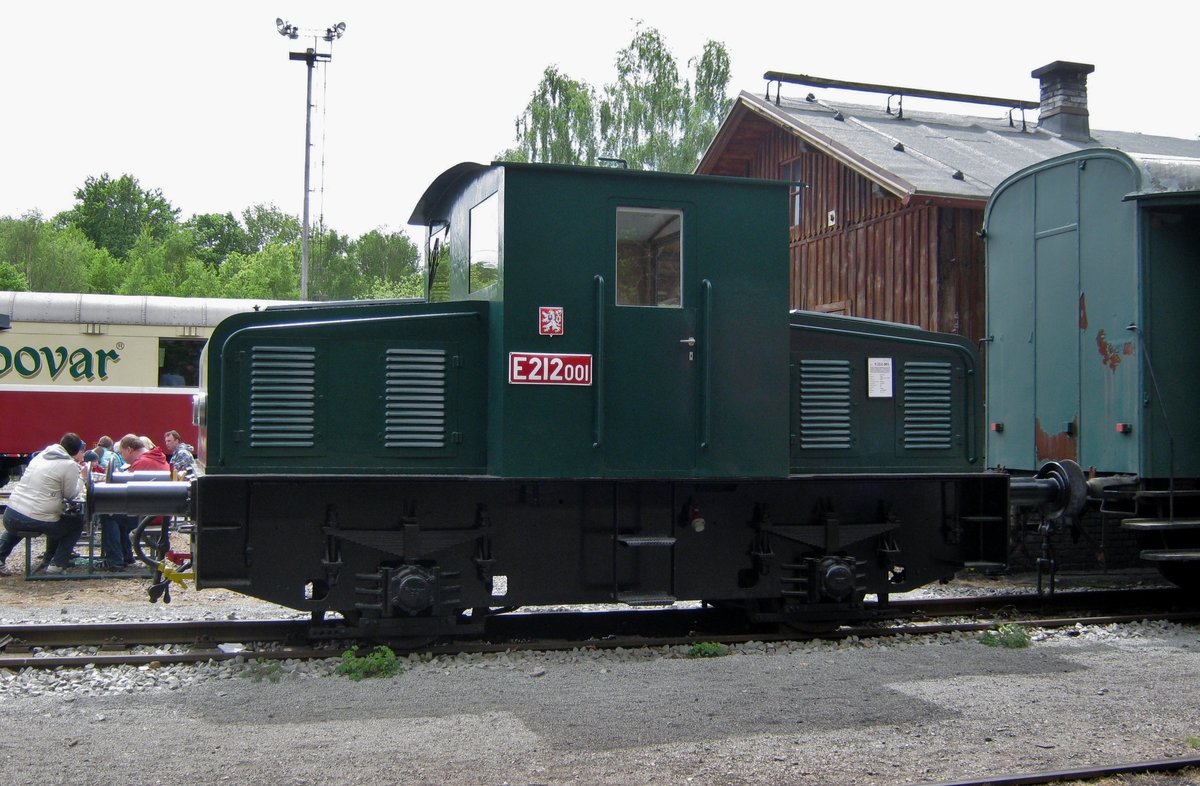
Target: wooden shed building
(889, 199)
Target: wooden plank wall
(880, 258)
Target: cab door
(652, 352)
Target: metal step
(636, 599)
(980, 565)
(644, 540)
(1158, 525)
(1171, 555)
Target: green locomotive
(603, 399)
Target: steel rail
(516, 624)
(520, 639)
(150, 633)
(1078, 774)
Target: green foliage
(1008, 635)
(389, 257)
(209, 255)
(267, 224)
(113, 214)
(20, 240)
(559, 123)
(379, 662)
(272, 273)
(332, 273)
(105, 275)
(216, 236)
(50, 259)
(411, 286)
(11, 279)
(259, 670)
(649, 115)
(708, 649)
(1192, 742)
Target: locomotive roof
(452, 178)
(122, 309)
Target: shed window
(649, 257)
(790, 171)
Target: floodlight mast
(311, 57)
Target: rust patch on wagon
(1082, 312)
(1109, 355)
(1055, 447)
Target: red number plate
(538, 368)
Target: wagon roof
(122, 309)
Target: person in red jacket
(141, 457)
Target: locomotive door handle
(690, 341)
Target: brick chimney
(1064, 99)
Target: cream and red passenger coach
(100, 364)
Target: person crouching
(37, 506)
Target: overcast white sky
(201, 101)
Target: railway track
(1081, 774)
(112, 644)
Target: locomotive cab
(634, 317)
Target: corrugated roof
(931, 154)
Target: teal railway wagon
(603, 399)
(1092, 293)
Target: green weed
(707, 649)
(379, 662)
(1008, 635)
(259, 670)
(1192, 742)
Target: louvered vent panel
(824, 404)
(928, 424)
(282, 397)
(415, 399)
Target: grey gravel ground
(925, 709)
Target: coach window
(649, 257)
(179, 362)
(485, 243)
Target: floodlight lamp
(335, 32)
(286, 29)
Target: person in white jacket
(37, 505)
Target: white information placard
(879, 377)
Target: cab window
(438, 254)
(649, 257)
(485, 243)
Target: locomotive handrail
(598, 375)
(706, 288)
